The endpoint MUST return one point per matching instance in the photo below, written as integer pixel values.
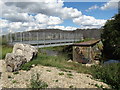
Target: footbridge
(44, 38)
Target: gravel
(50, 75)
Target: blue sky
(24, 15)
(83, 6)
(98, 14)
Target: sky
(21, 15)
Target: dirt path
(55, 78)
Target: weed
(71, 86)
(36, 83)
(56, 80)
(9, 76)
(69, 74)
(15, 72)
(48, 70)
(61, 73)
(64, 70)
(99, 86)
(14, 81)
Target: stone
(14, 61)
(25, 49)
(22, 53)
(70, 60)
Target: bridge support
(86, 52)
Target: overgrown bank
(107, 73)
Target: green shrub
(35, 82)
(109, 74)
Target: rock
(24, 49)
(70, 60)
(89, 65)
(21, 54)
(14, 61)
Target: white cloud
(54, 20)
(54, 8)
(92, 8)
(89, 21)
(3, 23)
(15, 25)
(41, 18)
(112, 4)
(18, 17)
(62, 28)
(70, 13)
(49, 20)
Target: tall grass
(109, 74)
(4, 48)
(55, 61)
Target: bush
(36, 83)
(111, 38)
(109, 74)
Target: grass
(84, 40)
(57, 48)
(53, 61)
(5, 49)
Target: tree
(111, 38)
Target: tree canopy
(111, 38)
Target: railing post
(37, 40)
(21, 36)
(44, 38)
(29, 37)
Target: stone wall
(87, 54)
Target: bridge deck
(87, 43)
(47, 43)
